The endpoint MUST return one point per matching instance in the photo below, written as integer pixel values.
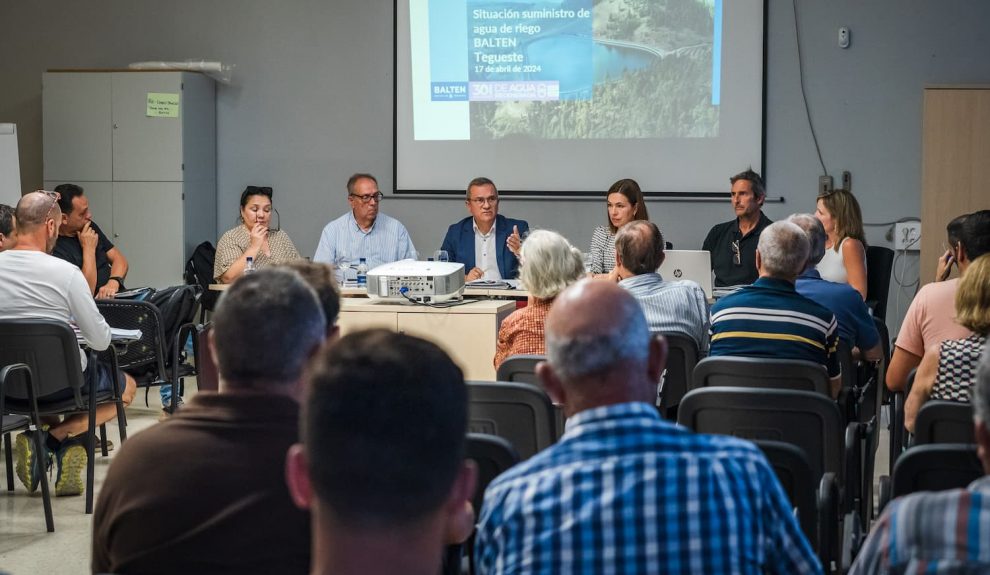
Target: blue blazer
(459, 244)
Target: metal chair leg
(103, 440)
(40, 450)
(10, 462)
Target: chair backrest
(796, 477)
(935, 468)
(879, 262)
(808, 420)
(682, 357)
(147, 354)
(520, 368)
(493, 455)
(729, 371)
(848, 365)
(199, 271)
(50, 349)
(944, 422)
(519, 412)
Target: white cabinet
(150, 176)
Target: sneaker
(99, 445)
(167, 409)
(71, 460)
(29, 466)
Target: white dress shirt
(486, 253)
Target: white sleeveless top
(832, 268)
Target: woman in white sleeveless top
(845, 250)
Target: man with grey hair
(227, 508)
(623, 488)
(856, 327)
(944, 531)
(670, 306)
(769, 318)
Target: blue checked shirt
(626, 492)
(943, 532)
(344, 240)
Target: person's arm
(290, 253)
(921, 390)
(944, 268)
(82, 306)
(854, 258)
(408, 249)
(596, 252)
(88, 239)
(118, 269)
(324, 250)
(230, 265)
(901, 364)
(874, 353)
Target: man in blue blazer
(485, 242)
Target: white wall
(312, 101)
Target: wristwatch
(119, 280)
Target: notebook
(694, 265)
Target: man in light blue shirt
(363, 232)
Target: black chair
(879, 263)
(50, 350)
(10, 423)
(765, 373)
(809, 420)
(934, 467)
(518, 412)
(682, 357)
(800, 484)
(899, 436)
(520, 368)
(944, 422)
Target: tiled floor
(26, 547)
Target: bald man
(623, 488)
(37, 285)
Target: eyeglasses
(735, 252)
(255, 190)
(484, 201)
(55, 196)
(377, 196)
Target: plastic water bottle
(362, 273)
(249, 266)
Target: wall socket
(824, 184)
(907, 236)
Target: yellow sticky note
(162, 105)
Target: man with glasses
(82, 243)
(485, 242)
(733, 243)
(363, 232)
(38, 286)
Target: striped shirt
(943, 532)
(343, 240)
(601, 255)
(674, 306)
(770, 319)
(626, 492)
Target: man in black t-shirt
(82, 243)
(733, 243)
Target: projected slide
(488, 70)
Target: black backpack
(177, 305)
(199, 271)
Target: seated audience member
(733, 243)
(942, 531)
(670, 306)
(82, 243)
(770, 318)
(624, 202)
(320, 278)
(485, 242)
(363, 232)
(253, 238)
(624, 490)
(226, 508)
(845, 250)
(36, 285)
(8, 227)
(381, 464)
(930, 319)
(856, 327)
(550, 264)
(946, 372)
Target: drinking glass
(343, 266)
(441, 256)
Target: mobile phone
(948, 268)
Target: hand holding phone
(944, 266)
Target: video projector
(421, 281)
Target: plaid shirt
(522, 331)
(625, 492)
(944, 532)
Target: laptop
(694, 265)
